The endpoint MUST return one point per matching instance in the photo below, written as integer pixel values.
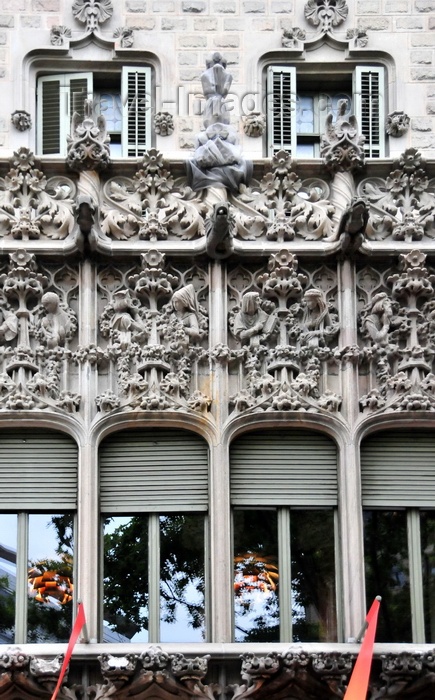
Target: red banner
(78, 626)
(359, 680)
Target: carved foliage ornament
(326, 13)
(88, 147)
(92, 12)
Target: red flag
(359, 680)
(78, 626)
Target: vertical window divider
(154, 577)
(285, 577)
(338, 577)
(415, 575)
(21, 582)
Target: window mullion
(22, 576)
(415, 575)
(154, 577)
(285, 578)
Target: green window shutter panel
(38, 470)
(153, 471)
(50, 116)
(281, 109)
(398, 469)
(277, 468)
(370, 108)
(136, 100)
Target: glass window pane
(182, 578)
(314, 617)
(50, 578)
(126, 579)
(8, 572)
(256, 604)
(427, 528)
(387, 573)
(305, 114)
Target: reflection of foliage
(387, 573)
(181, 568)
(7, 605)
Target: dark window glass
(427, 526)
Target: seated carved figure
(252, 324)
(56, 324)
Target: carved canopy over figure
(252, 324)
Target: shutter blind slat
(38, 470)
(153, 471)
(276, 468)
(281, 90)
(369, 108)
(398, 469)
(136, 130)
(50, 117)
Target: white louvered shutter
(370, 108)
(283, 468)
(281, 109)
(153, 471)
(136, 101)
(59, 96)
(398, 469)
(38, 470)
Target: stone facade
(207, 287)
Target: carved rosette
(92, 12)
(401, 206)
(326, 14)
(284, 323)
(397, 124)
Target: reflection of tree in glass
(7, 605)
(387, 572)
(126, 592)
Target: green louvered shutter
(38, 470)
(370, 108)
(136, 100)
(398, 469)
(153, 471)
(277, 468)
(281, 109)
(59, 96)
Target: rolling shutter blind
(370, 108)
(153, 471)
(281, 110)
(136, 98)
(283, 468)
(398, 469)
(59, 96)
(38, 471)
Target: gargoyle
(352, 226)
(220, 229)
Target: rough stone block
(422, 73)
(254, 6)
(188, 58)
(281, 7)
(160, 6)
(232, 58)
(431, 22)
(375, 24)
(421, 57)
(45, 5)
(224, 7)
(136, 6)
(30, 21)
(423, 39)
(13, 5)
(186, 143)
(430, 107)
(232, 25)
(409, 23)
(185, 125)
(3, 38)
(226, 40)
(194, 6)
(425, 5)
(368, 7)
(205, 24)
(171, 24)
(396, 6)
(192, 41)
(424, 140)
(264, 25)
(6, 20)
(421, 124)
(191, 74)
(141, 23)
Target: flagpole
(359, 680)
(79, 624)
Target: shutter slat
(38, 470)
(276, 468)
(398, 469)
(136, 130)
(153, 471)
(369, 108)
(281, 90)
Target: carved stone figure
(220, 229)
(352, 226)
(254, 124)
(251, 323)
(56, 324)
(125, 326)
(8, 325)
(376, 318)
(341, 144)
(186, 311)
(216, 82)
(316, 322)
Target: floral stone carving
(326, 13)
(88, 144)
(397, 124)
(341, 145)
(92, 12)
(21, 120)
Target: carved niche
(155, 327)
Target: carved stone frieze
(32, 206)
(284, 323)
(37, 325)
(325, 14)
(151, 206)
(402, 206)
(283, 207)
(397, 325)
(155, 328)
(341, 145)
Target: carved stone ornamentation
(292, 37)
(283, 207)
(326, 14)
(358, 36)
(88, 147)
(155, 330)
(254, 124)
(33, 207)
(21, 120)
(397, 124)
(163, 123)
(58, 34)
(152, 205)
(125, 36)
(341, 145)
(220, 229)
(92, 12)
(285, 328)
(401, 206)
